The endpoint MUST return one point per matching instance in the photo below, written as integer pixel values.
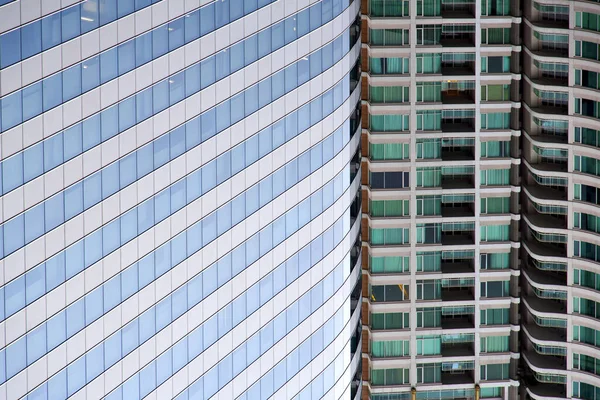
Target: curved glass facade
(181, 200)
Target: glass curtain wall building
(180, 199)
(441, 154)
(559, 200)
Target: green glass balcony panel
(495, 92)
(429, 92)
(429, 345)
(389, 8)
(495, 205)
(429, 148)
(390, 376)
(495, 64)
(495, 7)
(495, 372)
(429, 261)
(495, 177)
(495, 260)
(389, 123)
(390, 348)
(495, 316)
(429, 63)
(495, 121)
(429, 8)
(429, 373)
(389, 37)
(389, 236)
(389, 94)
(389, 66)
(495, 148)
(389, 321)
(389, 208)
(430, 317)
(389, 151)
(494, 289)
(495, 36)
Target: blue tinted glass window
(16, 353)
(250, 49)
(74, 259)
(93, 247)
(12, 172)
(34, 223)
(192, 26)
(207, 19)
(36, 344)
(207, 72)
(57, 330)
(221, 13)
(303, 22)
(176, 33)
(143, 104)
(51, 35)
(89, 15)
(108, 65)
(12, 112)
(71, 23)
(278, 85)
(160, 41)
(290, 29)
(10, 48)
(14, 234)
(264, 43)
(278, 35)
(71, 82)
(192, 79)
(14, 295)
(75, 317)
(108, 11)
(32, 101)
(143, 49)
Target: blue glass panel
(35, 283)
(16, 355)
(108, 65)
(10, 48)
(108, 11)
(71, 23)
(31, 39)
(71, 82)
(32, 101)
(73, 142)
(12, 110)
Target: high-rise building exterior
(441, 193)
(180, 199)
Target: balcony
(458, 210)
(458, 64)
(544, 361)
(452, 349)
(548, 221)
(545, 305)
(465, 321)
(545, 333)
(454, 95)
(458, 153)
(456, 35)
(458, 9)
(452, 125)
(457, 377)
(458, 290)
(459, 266)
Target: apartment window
(586, 20)
(495, 289)
(587, 78)
(390, 348)
(429, 373)
(586, 49)
(429, 120)
(430, 289)
(389, 264)
(586, 363)
(389, 8)
(495, 92)
(383, 321)
(429, 261)
(552, 41)
(495, 7)
(389, 236)
(587, 335)
(552, 70)
(495, 64)
(495, 316)
(586, 391)
(494, 260)
(495, 205)
(429, 34)
(495, 36)
(495, 177)
(429, 91)
(587, 165)
(429, 8)
(429, 177)
(495, 148)
(550, 155)
(552, 127)
(429, 233)
(389, 66)
(389, 123)
(430, 317)
(389, 94)
(429, 205)
(389, 208)
(495, 121)
(390, 376)
(389, 37)
(551, 12)
(495, 233)
(552, 98)
(429, 148)
(429, 345)
(385, 293)
(586, 222)
(494, 372)
(587, 136)
(495, 344)
(389, 180)
(429, 63)
(586, 306)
